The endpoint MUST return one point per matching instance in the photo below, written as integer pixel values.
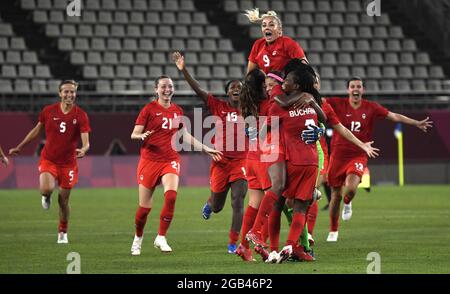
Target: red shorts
(272, 152)
(149, 173)
(226, 171)
(300, 181)
(257, 175)
(67, 176)
(339, 168)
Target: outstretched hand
(14, 151)
(425, 124)
(372, 152)
(4, 160)
(215, 154)
(179, 60)
(146, 134)
(312, 134)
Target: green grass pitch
(409, 227)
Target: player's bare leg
(47, 184)
(215, 203)
(64, 213)
(335, 204)
(238, 191)
(145, 205)
(349, 191)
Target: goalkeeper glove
(252, 133)
(312, 134)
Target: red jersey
(165, 122)
(275, 56)
(62, 133)
(292, 123)
(232, 128)
(254, 150)
(332, 118)
(359, 121)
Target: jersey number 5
(62, 127)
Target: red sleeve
(276, 90)
(212, 103)
(332, 118)
(42, 115)
(84, 123)
(143, 116)
(254, 52)
(294, 49)
(380, 111)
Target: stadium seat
(38, 86)
(367, 20)
(383, 19)
(216, 86)
(222, 58)
(230, 6)
(389, 72)
(89, 17)
(178, 44)
(145, 45)
(387, 86)
(44, 4)
(326, 86)
(65, 44)
(5, 86)
(209, 45)
(107, 71)
(378, 45)
(277, 6)
(219, 72)
(434, 85)
(152, 17)
(342, 71)
(363, 45)
(165, 31)
(354, 6)
(90, 72)
(40, 16)
(365, 32)
(133, 31)
(193, 45)
(181, 31)
(347, 45)
(199, 18)
(358, 71)
(101, 31)
(352, 19)
(321, 19)
(98, 44)
(85, 31)
(380, 32)
(391, 58)
(82, 44)
(27, 4)
(371, 86)
(162, 44)
(409, 45)
(422, 58)
(393, 45)
(263, 5)
(396, 32)
(206, 58)
(126, 58)
(245, 4)
(187, 5)
(13, 57)
(119, 85)
(154, 71)
(407, 58)
(171, 5)
(314, 58)
(360, 58)
(337, 19)
(287, 31)
(77, 58)
(339, 85)
(338, 6)
(142, 58)
(140, 5)
(21, 86)
(121, 17)
(159, 58)
(9, 71)
(402, 85)
(326, 72)
(172, 71)
(323, 6)
(316, 45)
(197, 31)
(292, 5)
(137, 17)
(376, 58)
(168, 18)
(305, 18)
(149, 31)
(303, 32)
(255, 32)
(319, 32)
(344, 58)
(436, 72)
(192, 58)
(42, 71)
(117, 31)
(156, 5)
(105, 17)
(350, 32)
(235, 72)
(203, 72)
(290, 18)
(26, 71)
(17, 43)
(328, 59)
(212, 32)
(135, 85)
(93, 5)
(420, 72)
(334, 32)
(374, 72)
(124, 5)
(405, 72)
(308, 6)
(419, 85)
(96, 58)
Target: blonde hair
(254, 17)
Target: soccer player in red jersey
(157, 124)
(3, 157)
(273, 51)
(347, 162)
(231, 140)
(64, 122)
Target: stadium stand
(117, 46)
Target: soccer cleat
(261, 251)
(310, 240)
(244, 253)
(347, 212)
(46, 202)
(232, 248)
(256, 239)
(332, 236)
(206, 211)
(136, 246)
(273, 257)
(161, 243)
(284, 254)
(62, 238)
(298, 252)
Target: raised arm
(179, 61)
(216, 155)
(33, 134)
(85, 145)
(3, 157)
(421, 124)
(372, 152)
(251, 66)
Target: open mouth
(235, 94)
(355, 93)
(268, 34)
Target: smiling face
(289, 85)
(68, 94)
(165, 90)
(270, 83)
(234, 90)
(355, 91)
(271, 29)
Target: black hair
(252, 93)
(305, 77)
(354, 78)
(228, 84)
(72, 82)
